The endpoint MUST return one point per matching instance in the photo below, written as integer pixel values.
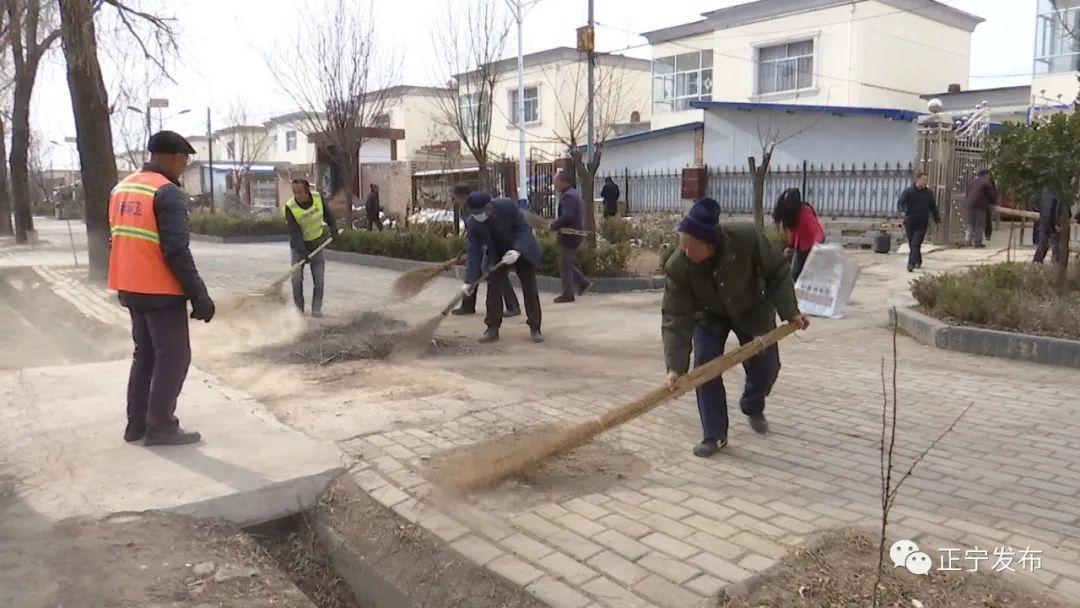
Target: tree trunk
(759, 172)
(20, 151)
(585, 183)
(350, 171)
(6, 226)
(1065, 222)
(92, 128)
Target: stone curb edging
(987, 342)
(261, 238)
(545, 283)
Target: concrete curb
(545, 283)
(229, 240)
(749, 585)
(987, 342)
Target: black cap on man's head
(169, 142)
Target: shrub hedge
(605, 261)
(1017, 297)
(228, 224)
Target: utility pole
(210, 157)
(523, 192)
(592, 86)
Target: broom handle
(460, 296)
(695, 378)
(278, 281)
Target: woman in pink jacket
(801, 222)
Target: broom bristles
(416, 343)
(412, 282)
(488, 463)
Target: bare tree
(614, 100)
(337, 77)
(470, 38)
(90, 103)
(772, 132)
(32, 29)
(7, 81)
(890, 486)
(245, 145)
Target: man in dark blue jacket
(918, 206)
(572, 211)
(1048, 206)
(497, 227)
(461, 194)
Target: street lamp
(153, 102)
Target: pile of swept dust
(592, 467)
(370, 335)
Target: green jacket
(743, 287)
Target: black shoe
(511, 313)
(491, 335)
(536, 336)
(708, 447)
(759, 424)
(910, 268)
(177, 436)
(134, 431)
(564, 299)
(461, 312)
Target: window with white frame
(290, 141)
(1057, 46)
(474, 117)
(679, 79)
(785, 68)
(532, 105)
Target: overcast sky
(223, 44)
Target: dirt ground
(416, 566)
(159, 560)
(840, 574)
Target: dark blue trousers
(761, 372)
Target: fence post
(803, 189)
(626, 188)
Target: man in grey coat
(498, 227)
(1049, 238)
(572, 211)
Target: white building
(847, 53)
(416, 110)
(555, 97)
(1057, 53)
(288, 139)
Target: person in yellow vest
(151, 268)
(310, 223)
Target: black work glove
(202, 308)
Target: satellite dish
(935, 106)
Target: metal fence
(844, 191)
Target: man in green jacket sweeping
(723, 279)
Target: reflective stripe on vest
(136, 261)
(310, 219)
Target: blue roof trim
(636, 137)
(891, 114)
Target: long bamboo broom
(415, 343)
(412, 282)
(272, 295)
(539, 222)
(487, 463)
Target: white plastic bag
(826, 282)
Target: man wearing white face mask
(498, 227)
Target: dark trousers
(570, 274)
(374, 223)
(499, 282)
(318, 273)
(761, 372)
(915, 230)
(1048, 241)
(798, 260)
(509, 299)
(159, 365)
